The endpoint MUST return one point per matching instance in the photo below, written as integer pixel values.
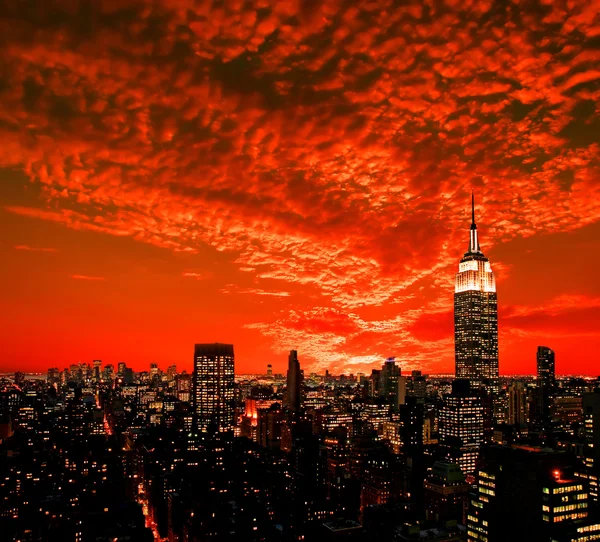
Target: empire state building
(476, 316)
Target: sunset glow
(287, 175)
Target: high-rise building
(294, 382)
(545, 367)
(517, 403)
(591, 454)
(402, 387)
(213, 387)
(461, 426)
(96, 370)
(388, 381)
(53, 375)
(546, 383)
(476, 316)
(525, 493)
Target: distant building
(294, 383)
(388, 381)
(546, 384)
(566, 410)
(213, 387)
(517, 403)
(545, 367)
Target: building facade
(461, 426)
(213, 383)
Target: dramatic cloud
(86, 277)
(34, 249)
(319, 152)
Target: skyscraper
(461, 426)
(213, 387)
(545, 366)
(476, 316)
(388, 381)
(545, 383)
(294, 382)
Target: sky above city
(296, 175)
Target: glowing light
(475, 275)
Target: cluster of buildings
(98, 453)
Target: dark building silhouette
(294, 382)
(590, 470)
(446, 493)
(525, 493)
(545, 367)
(476, 317)
(388, 381)
(517, 403)
(546, 384)
(213, 387)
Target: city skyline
(289, 178)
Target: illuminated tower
(213, 387)
(476, 316)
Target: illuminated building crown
(474, 272)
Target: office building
(388, 381)
(213, 387)
(517, 403)
(461, 426)
(525, 493)
(446, 493)
(546, 384)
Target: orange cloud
(326, 152)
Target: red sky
(296, 174)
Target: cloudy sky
(296, 174)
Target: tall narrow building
(476, 316)
(545, 367)
(294, 382)
(213, 387)
(546, 381)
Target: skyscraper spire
(474, 240)
(476, 316)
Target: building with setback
(213, 387)
(476, 316)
